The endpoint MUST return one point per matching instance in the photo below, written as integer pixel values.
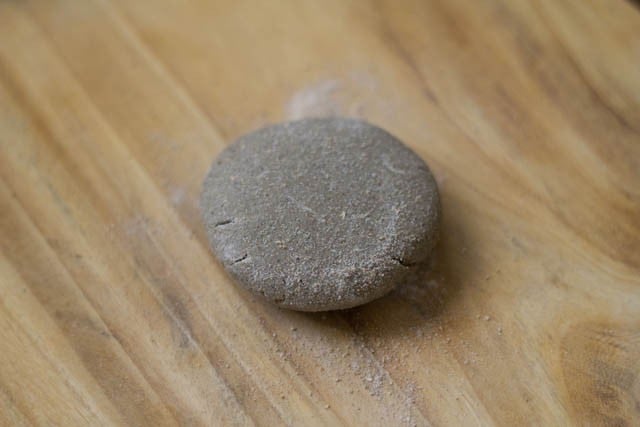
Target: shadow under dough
(427, 291)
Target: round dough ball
(320, 214)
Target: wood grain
(113, 311)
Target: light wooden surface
(113, 311)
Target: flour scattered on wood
(177, 195)
(314, 100)
(352, 94)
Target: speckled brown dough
(320, 214)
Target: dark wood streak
(593, 91)
(598, 364)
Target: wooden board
(113, 311)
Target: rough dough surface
(320, 214)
